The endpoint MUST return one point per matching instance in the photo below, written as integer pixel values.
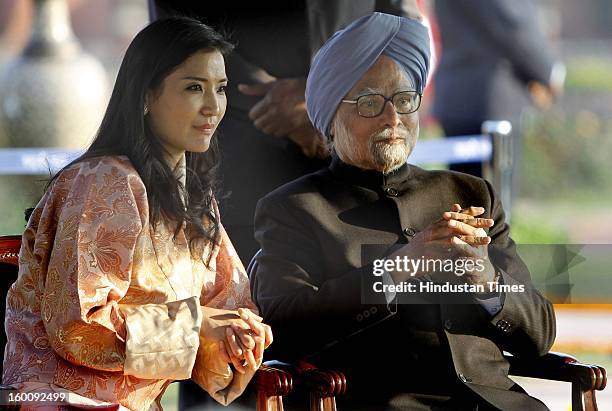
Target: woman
(127, 279)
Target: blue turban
(350, 52)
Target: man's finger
(473, 211)
(465, 229)
(470, 220)
(259, 89)
(474, 240)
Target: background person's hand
(282, 108)
(312, 143)
(281, 112)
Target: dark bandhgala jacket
(309, 281)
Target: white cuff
(162, 339)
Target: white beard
(389, 157)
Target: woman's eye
(195, 87)
(222, 89)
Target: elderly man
(363, 92)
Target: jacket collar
(372, 179)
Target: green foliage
(526, 231)
(589, 75)
(567, 157)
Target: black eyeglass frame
(386, 99)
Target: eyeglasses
(372, 105)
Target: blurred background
(565, 188)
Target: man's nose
(389, 115)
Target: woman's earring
(146, 109)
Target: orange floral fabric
(105, 306)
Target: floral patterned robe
(104, 306)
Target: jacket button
(504, 326)
(391, 192)
(448, 324)
(373, 310)
(359, 317)
(462, 377)
(366, 314)
(410, 232)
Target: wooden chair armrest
(559, 367)
(325, 383)
(322, 385)
(273, 381)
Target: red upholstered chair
(272, 381)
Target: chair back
(9, 266)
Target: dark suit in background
(309, 282)
(491, 50)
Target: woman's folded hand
(246, 337)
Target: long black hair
(153, 54)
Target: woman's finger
(244, 337)
(245, 313)
(232, 341)
(236, 361)
(223, 353)
(269, 337)
(255, 325)
(250, 360)
(259, 350)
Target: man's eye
(367, 102)
(195, 87)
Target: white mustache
(389, 133)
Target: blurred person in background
(495, 61)
(127, 279)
